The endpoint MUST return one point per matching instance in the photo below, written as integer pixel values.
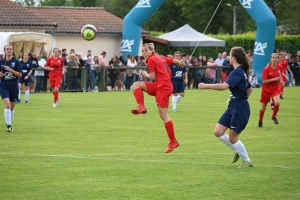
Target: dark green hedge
(289, 43)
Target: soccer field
(91, 147)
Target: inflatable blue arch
(257, 9)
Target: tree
(84, 3)
(26, 2)
(54, 2)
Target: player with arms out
(237, 114)
(9, 74)
(160, 73)
(271, 88)
(55, 66)
(26, 73)
(179, 80)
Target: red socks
(55, 94)
(139, 96)
(261, 115)
(276, 108)
(170, 130)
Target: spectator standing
(39, 73)
(46, 73)
(79, 71)
(220, 61)
(114, 63)
(253, 81)
(211, 72)
(89, 54)
(102, 63)
(130, 72)
(72, 67)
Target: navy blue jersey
(26, 67)
(177, 72)
(8, 76)
(238, 84)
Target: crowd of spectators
(122, 79)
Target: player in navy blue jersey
(26, 73)
(179, 80)
(9, 74)
(238, 112)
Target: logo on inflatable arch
(126, 45)
(144, 4)
(246, 3)
(259, 48)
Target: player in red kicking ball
(161, 88)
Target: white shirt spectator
(253, 81)
(40, 72)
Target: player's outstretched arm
(221, 86)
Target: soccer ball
(88, 32)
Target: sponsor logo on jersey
(144, 4)
(246, 3)
(178, 74)
(126, 45)
(259, 48)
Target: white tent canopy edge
(187, 36)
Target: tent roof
(187, 36)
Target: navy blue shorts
(178, 86)
(9, 89)
(26, 82)
(236, 116)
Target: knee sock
(174, 102)
(55, 94)
(241, 150)
(179, 98)
(170, 130)
(276, 108)
(225, 139)
(7, 116)
(139, 96)
(26, 95)
(261, 115)
(19, 95)
(12, 114)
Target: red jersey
(284, 64)
(160, 65)
(57, 64)
(269, 73)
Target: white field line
(97, 157)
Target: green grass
(91, 147)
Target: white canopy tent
(26, 42)
(186, 36)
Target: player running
(238, 112)
(55, 66)
(179, 80)
(26, 73)
(9, 74)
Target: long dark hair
(241, 58)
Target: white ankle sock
(225, 139)
(26, 95)
(241, 150)
(12, 113)
(174, 102)
(7, 116)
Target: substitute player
(271, 88)
(55, 66)
(26, 73)
(160, 72)
(179, 80)
(9, 74)
(238, 112)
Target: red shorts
(55, 82)
(161, 96)
(266, 96)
